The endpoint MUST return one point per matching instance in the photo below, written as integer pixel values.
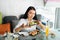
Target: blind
(57, 18)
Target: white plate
(24, 33)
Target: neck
(29, 19)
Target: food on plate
(33, 33)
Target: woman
(29, 16)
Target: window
(57, 18)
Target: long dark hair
(26, 13)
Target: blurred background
(49, 9)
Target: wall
(53, 4)
(54, 0)
(48, 10)
(17, 7)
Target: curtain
(57, 18)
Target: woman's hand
(40, 24)
(20, 28)
(24, 26)
(37, 21)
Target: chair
(8, 19)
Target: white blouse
(25, 22)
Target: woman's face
(31, 14)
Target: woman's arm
(20, 28)
(40, 25)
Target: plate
(24, 33)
